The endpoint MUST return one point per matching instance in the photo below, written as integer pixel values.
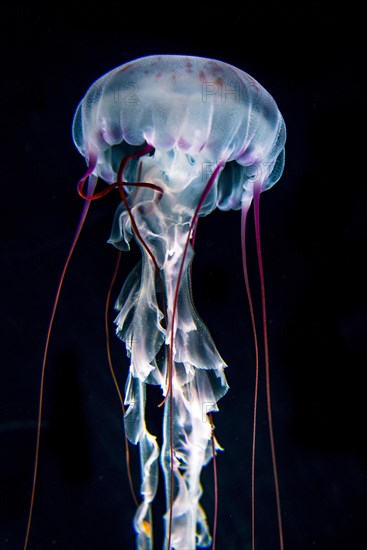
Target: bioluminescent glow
(176, 137)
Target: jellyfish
(176, 137)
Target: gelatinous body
(209, 136)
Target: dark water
(313, 233)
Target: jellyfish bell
(178, 136)
(202, 110)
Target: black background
(309, 56)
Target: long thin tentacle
(91, 185)
(245, 209)
(257, 191)
(113, 374)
